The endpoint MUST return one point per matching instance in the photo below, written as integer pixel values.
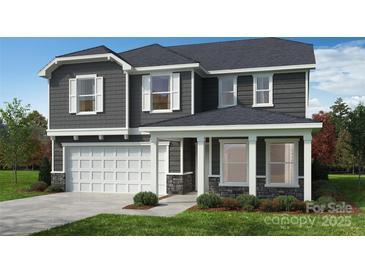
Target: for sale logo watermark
(285, 221)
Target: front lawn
(194, 223)
(10, 191)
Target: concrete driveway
(29, 215)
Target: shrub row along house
(226, 117)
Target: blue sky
(340, 65)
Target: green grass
(228, 223)
(10, 191)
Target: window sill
(262, 105)
(161, 111)
(87, 113)
(233, 184)
(282, 185)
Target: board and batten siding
(260, 156)
(114, 97)
(139, 118)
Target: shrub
(324, 188)
(299, 206)
(285, 202)
(54, 189)
(248, 202)
(45, 171)
(38, 186)
(208, 200)
(268, 205)
(231, 204)
(145, 198)
(319, 171)
(326, 200)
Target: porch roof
(236, 115)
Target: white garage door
(123, 169)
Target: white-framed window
(86, 94)
(262, 90)
(161, 92)
(282, 162)
(234, 162)
(227, 91)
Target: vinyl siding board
(114, 97)
(174, 157)
(198, 93)
(245, 90)
(139, 118)
(189, 154)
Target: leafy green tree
(15, 136)
(344, 156)
(339, 115)
(356, 128)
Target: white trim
(63, 159)
(104, 144)
(271, 89)
(182, 156)
(86, 112)
(86, 76)
(200, 171)
(306, 91)
(166, 67)
(136, 131)
(52, 140)
(192, 92)
(87, 131)
(46, 70)
(126, 100)
(275, 68)
(210, 155)
(178, 173)
(57, 172)
(214, 176)
(270, 141)
(252, 164)
(161, 110)
(49, 103)
(233, 127)
(222, 142)
(307, 167)
(220, 91)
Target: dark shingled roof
(154, 55)
(262, 52)
(90, 51)
(251, 53)
(236, 115)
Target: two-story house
(226, 117)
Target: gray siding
(139, 118)
(210, 93)
(189, 154)
(174, 157)
(198, 93)
(114, 97)
(260, 156)
(245, 90)
(58, 153)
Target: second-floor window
(227, 91)
(262, 91)
(86, 94)
(161, 92)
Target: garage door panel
(113, 169)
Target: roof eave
(46, 71)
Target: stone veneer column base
(59, 179)
(271, 192)
(226, 191)
(180, 184)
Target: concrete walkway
(29, 215)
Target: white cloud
(354, 101)
(315, 106)
(341, 69)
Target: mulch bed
(145, 207)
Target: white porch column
(154, 164)
(307, 166)
(252, 164)
(200, 165)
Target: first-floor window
(161, 92)
(234, 161)
(86, 94)
(281, 162)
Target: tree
(15, 136)
(344, 156)
(356, 128)
(339, 115)
(45, 171)
(324, 142)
